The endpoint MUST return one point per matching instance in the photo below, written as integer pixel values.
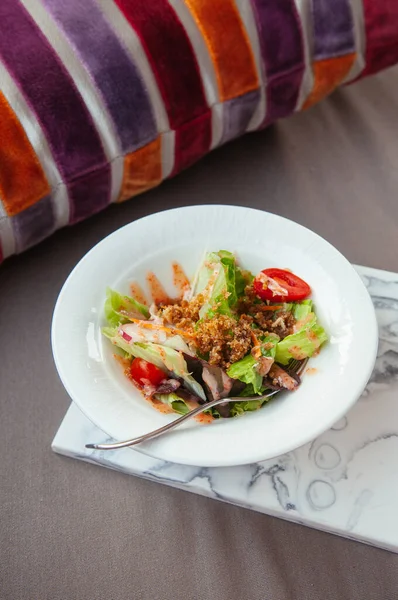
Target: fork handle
(157, 432)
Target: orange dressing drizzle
(311, 371)
(148, 325)
(161, 406)
(180, 280)
(204, 419)
(138, 293)
(124, 362)
(157, 291)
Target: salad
(230, 333)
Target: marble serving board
(344, 482)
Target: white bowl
(95, 381)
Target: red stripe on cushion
(192, 142)
(175, 67)
(381, 25)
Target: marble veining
(344, 482)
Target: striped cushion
(101, 100)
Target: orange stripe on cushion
(22, 179)
(228, 44)
(328, 74)
(142, 170)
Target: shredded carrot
(256, 345)
(148, 325)
(266, 307)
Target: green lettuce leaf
(175, 402)
(229, 264)
(266, 348)
(301, 310)
(227, 282)
(236, 279)
(113, 335)
(212, 275)
(306, 341)
(115, 302)
(249, 390)
(177, 343)
(245, 371)
(238, 408)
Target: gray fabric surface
(74, 531)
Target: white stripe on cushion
(304, 8)
(360, 40)
(246, 13)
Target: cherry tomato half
(143, 372)
(277, 285)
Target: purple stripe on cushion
(237, 114)
(333, 28)
(281, 42)
(34, 224)
(89, 194)
(109, 65)
(53, 97)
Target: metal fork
(295, 366)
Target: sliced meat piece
(294, 375)
(216, 383)
(189, 396)
(214, 380)
(270, 386)
(224, 410)
(237, 388)
(147, 388)
(281, 378)
(264, 365)
(168, 386)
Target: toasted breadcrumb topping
(223, 340)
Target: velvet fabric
(102, 100)
(381, 31)
(282, 50)
(115, 75)
(52, 95)
(142, 170)
(334, 46)
(175, 67)
(230, 51)
(19, 188)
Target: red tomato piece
(277, 285)
(143, 372)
